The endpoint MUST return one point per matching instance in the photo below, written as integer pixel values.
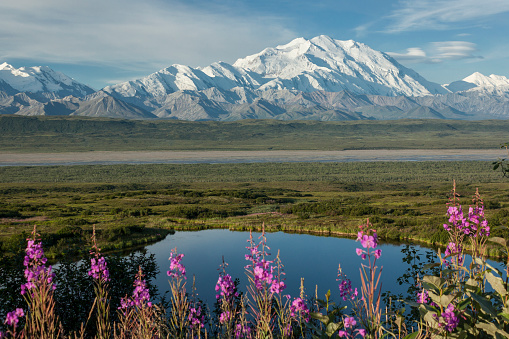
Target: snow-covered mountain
(40, 80)
(318, 64)
(317, 79)
(479, 82)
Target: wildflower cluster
(225, 286)
(38, 291)
(140, 296)
(299, 308)
(196, 318)
(369, 240)
(99, 269)
(345, 286)
(448, 319)
(261, 268)
(474, 224)
(12, 318)
(242, 331)
(177, 270)
(35, 267)
(349, 330)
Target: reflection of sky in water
(312, 257)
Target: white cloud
(455, 50)
(413, 54)
(438, 52)
(442, 14)
(136, 35)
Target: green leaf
(331, 328)
(485, 304)
(498, 240)
(318, 316)
(492, 330)
(494, 269)
(463, 304)
(412, 335)
(497, 283)
(434, 297)
(433, 281)
(505, 316)
(445, 300)
(471, 285)
(428, 266)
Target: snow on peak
(320, 63)
(38, 79)
(482, 80)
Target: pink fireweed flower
(277, 287)
(98, 269)
(449, 320)
(196, 318)
(345, 290)
(12, 318)
(262, 272)
(297, 307)
(224, 317)
(35, 267)
(177, 270)
(140, 296)
(242, 331)
(455, 251)
(225, 285)
(369, 240)
(349, 322)
(422, 297)
(362, 332)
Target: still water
(314, 258)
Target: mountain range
(317, 79)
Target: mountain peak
(318, 64)
(482, 80)
(41, 79)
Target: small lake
(313, 257)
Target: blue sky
(102, 42)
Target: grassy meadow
(132, 205)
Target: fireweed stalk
(41, 321)
(138, 317)
(282, 306)
(369, 314)
(227, 298)
(12, 320)
(299, 310)
(180, 305)
(478, 230)
(99, 272)
(262, 286)
(196, 315)
(457, 229)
